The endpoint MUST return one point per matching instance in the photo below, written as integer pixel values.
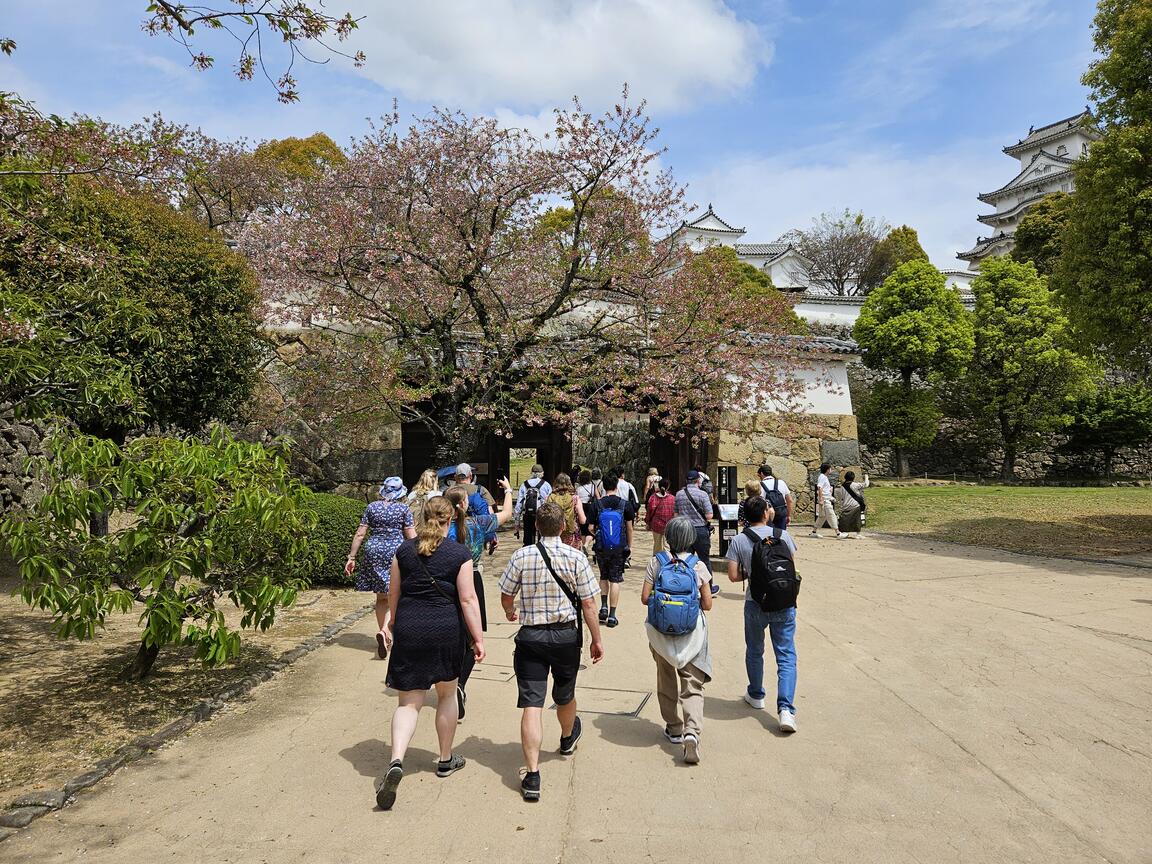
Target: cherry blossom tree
(476, 278)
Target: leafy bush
(337, 518)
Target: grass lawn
(1086, 522)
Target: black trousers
(529, 531)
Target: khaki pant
(826, 514)
(680, 689)
(657, 542)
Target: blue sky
(773, 111)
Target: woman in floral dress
(390, 522)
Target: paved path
(954, 705)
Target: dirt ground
(62, 709)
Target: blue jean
(782, 628)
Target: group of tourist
(423, 556)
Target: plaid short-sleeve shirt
(541, 600)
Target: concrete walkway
(954, 704)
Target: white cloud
(674, 53)
(935, 193)
(936, 39)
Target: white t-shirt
(768, 483)
(623, 487)
(825, 487)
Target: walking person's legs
(447, 714)
(657, 542)
(754, 654)
(691, 682)
(381, 623)
(668, 697)
(404, 718)
(702, 548)
(529, 532)
(782, 626)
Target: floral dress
(386, 521)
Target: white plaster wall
(840, 314)
(825, 388)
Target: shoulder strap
(775, 534)
(856, 496)
(568, 592)
(663, 558)
(431, 578)
(692, 501)
(752, 535)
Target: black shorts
(540, 652)
(611, 563)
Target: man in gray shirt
(693, 503)
(781, 625)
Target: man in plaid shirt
(550, 637)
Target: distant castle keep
(1046, 157)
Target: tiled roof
(766, 250)
(810, 344)
(710, 212)
(983, 244)
(1052, 130)
(1015, 182)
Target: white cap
(463, 470)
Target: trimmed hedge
(337, 520)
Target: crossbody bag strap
(859, 499)
(433, 580)
(568, 592)
(692, 501)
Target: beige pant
(826, 515)
(657, 542)
(680, 689)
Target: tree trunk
(98, 524)
(141, 664)
(1109, 456)
(1008, 465)
(900, 458)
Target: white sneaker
(840, 535)
(691, 750)
(787, 721)
(815, 534)
(753, 701)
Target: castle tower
(1046, 156)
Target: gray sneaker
(454, 763)
(386, 785)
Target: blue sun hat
(393, 489)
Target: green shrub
(337, 520)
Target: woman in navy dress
(434, 614)
(390, 522)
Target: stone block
(806, 450)
(291, 353)
(839, 453)
(364, 466)
(83, 781)
(19, 817)
(849, 427)
(51, 798)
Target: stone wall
(619, 439)
(794, 445)
(19, 442)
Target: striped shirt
(541, 600)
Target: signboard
(729, 512)
(728, 533)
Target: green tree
(899, 247)
(301, 157)
(1115, 416)
(1038, 237)
(914, 324)
(194, 292)
(1024, 379)
(752, 283)
(892, 415)
(211, 520)
(1104, 277)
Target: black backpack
(773, 583)
(776, 498)
(531, 498)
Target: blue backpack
(674, 604)
(478, 504)
(611, 534)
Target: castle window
(1061, 150)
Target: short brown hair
(549, 519)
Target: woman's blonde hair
(437, 516)
(563, 484)
(427, 483)
(752, 488)
(458, 496)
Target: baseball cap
(693, 475)
(537, 469)
(463, 470)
